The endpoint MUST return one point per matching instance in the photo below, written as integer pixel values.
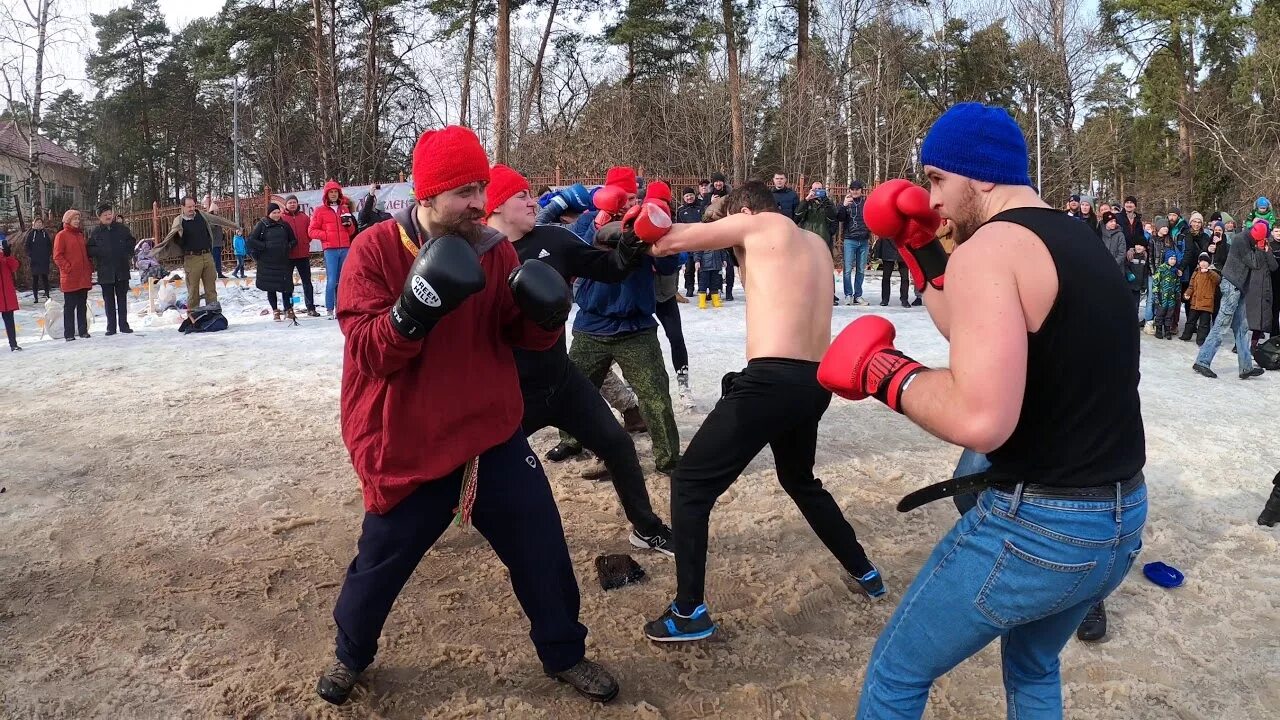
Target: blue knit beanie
(978, 142)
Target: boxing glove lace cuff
(888, 375)
(928, 264)
(409, 327)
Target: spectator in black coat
(890, 260)
(690, 211)
(786, 198)
(370, 213)
(111, 246)
(270, 243)
(40, 255)
(1130, 221)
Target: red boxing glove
(863, 362)
(649, 221)
(901, 211)
(610, 200)
(1259, 234)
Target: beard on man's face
(966, 215)
(465, 225)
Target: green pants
(640, 357)
(200, 271)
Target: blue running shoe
(674, 627)
(871, 584)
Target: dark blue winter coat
(787, 201)
(621, 308)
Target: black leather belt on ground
(982, 481)
(196, 252)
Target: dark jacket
(1194, 244)
(690, 213)
(369, 213)
(787, 201)
(816, 216)
(1137, 270)
(572, 257)
(887, 251)
(1132, 230)
(1258, 296)
(1242, 260)
(625, 307)
(855, 227)
(1114, 242)
(111, 249)
(39, 251)
(270, 243)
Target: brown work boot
(590, 680)
(336, 683)
(633, 422)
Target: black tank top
(1081, 420)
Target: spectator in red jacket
(75, 275)
(333, 224)
(300, 254)
(431, 307)
(8, 293)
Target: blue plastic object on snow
(1166, 576)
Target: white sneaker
(850, 301)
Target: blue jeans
(971, 463)
(333, 260)
(1149, 313)
(1230, 316)
(1022, 569)
(855, 258)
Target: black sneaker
(590, 680)
(906, 303)
(1204, 370)
(1094, 626)
(674, 627)
(1255, 372)
(658, 542)
(563, 451)
(336, 683)
(110, 333)
(917, 302)
(1271, 511)
(126, 330)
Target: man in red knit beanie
(432, 303)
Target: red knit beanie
(447, 158)
(658, 190)
(623, 177)
(504, 183)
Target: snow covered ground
(179, 511)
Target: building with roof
(61, 170)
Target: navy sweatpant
(515, 512)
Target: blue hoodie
(621, 308)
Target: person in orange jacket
(75, 275)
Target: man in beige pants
(192, 232)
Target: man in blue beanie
(1031, 301)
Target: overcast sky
(70, 60)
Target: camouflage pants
(640, 357)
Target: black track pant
(303, 266)
(515, 511)
(669, 315)
(886, 280)
(9, 329)
(115, 301)
(775, 402)
(37, 280)
(74, 307)
(575, 406)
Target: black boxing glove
(629, 247)
(543, 296)
(446, 272)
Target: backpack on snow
(1268, 354)
(204, 319)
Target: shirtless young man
(1031, 301)
(776, 400)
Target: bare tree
(735, 91)
(502, 101)
(34, 27)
